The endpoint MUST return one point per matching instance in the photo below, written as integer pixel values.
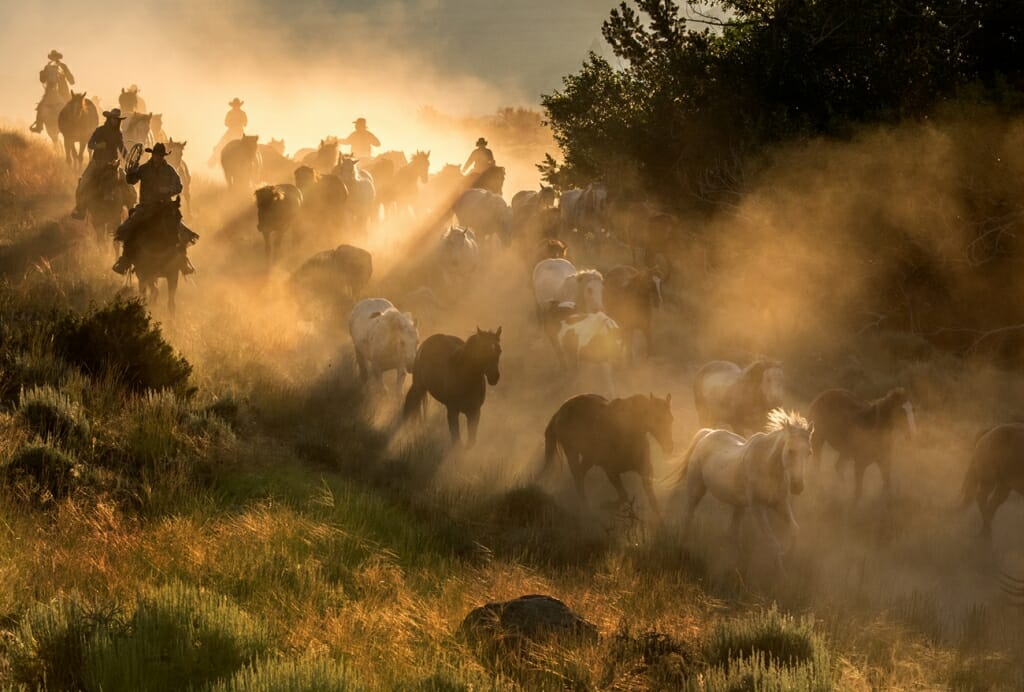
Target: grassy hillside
(216, 503)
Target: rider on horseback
(480, 159)
(105, 145)
(361, 140)
(55, 77)
(159, 182)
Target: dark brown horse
(329, 283)
(456, 373)
(111, 197)
(277, 209)
(492, 179)
(405, 185)
(860, 430)
(160, 255)
(630, 296)
(996, 470)
(77, 121)
(593, 431)
(241, 160)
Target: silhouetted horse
(630, 295)
(860, 430)
(175, 158)
(492, 180)
(77, 121)
(456, 373)
(159, 255)
(240, 159)
(277, 209)
(136, 130)
(129, 101)
(324, 198)
(593, 431)
(110, 198)
(405, 185)
(727, 395)
(996, 469)
(330, 282)
(324, 158)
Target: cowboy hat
(235, 102)
(114, 113)
(55, 55)
(359, 121)
(158, 149)
(481, 142)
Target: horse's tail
(550, 444)
(414, 399)
(680, 475)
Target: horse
(527, 207)
(492, 180)
(558, 280)
(456, 373)
(53, 101)
(324, 158)
(580, 338)
(592, 431)
(384, 339)
(458, 256)
(159, 255)
(361, 194)
(860, 430)
(382, 169)
(129, 101)
(759, 474)
(996, 469)
(585, 210)
(136, 130)
(276, 168)
(631, 295)
(443, 188)
(77, 121)
(277, 209)
(240, 159)
(156, 128)
(405, 184)
(551, 248)
(740, 398)
(106, 206)
(176, 160)
(324, 198)
(486, 213)
(329, 282)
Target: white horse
(761, 474)
(484, 212)
(592, 338)
(361, 205)
(727, 395)
(558, 281)
(584, 209)
(459, 256)
(384, 339)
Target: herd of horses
(750, 452)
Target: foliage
(43, 470)
(52, 413)
(306, 675)
(121, 339)
(752, 72)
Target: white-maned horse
(486, 213)
(360, 206)
(458, 256)
(384, 339)
(591, 339)
(727, 395)
(558, 281)
(760, 474)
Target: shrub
(121, 339)
(307, 675)
(51, 413)
(177, 633)
(45, 469)
(25, 370)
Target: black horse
(456, 373)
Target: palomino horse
(456, 373)
(277, 209)
(49, 108)
(458, 258)
(761, 474)
(996, 469)
(860, 430)
(77, 121)
(362, 193)
(159, 255)
(739, 398)
(593, 431)
(631, 296)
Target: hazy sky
(305, 69)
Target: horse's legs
(399, 380)
(997, 498)
(885, 468)
(761, 512)
(695, 490)
(453, 425)
(858, 479)
(651, 499)
(472, 422)
(361, 365)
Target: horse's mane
(780, 419)
(584, 275)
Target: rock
(508, 626)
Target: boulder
(509, 626)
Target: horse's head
(546, 197)
(659, 421)
(648, 286)
(128, 100)
(796, 444)
(484, 350)
(421, 165)
(304, 177)
(552, 248)
(77, 101)
(772, 382)
(590, 290)
(250, 143)
(898, 410)
(175, 150)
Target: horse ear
(498, 333)
(428, 153)
(478, 331)
(668, 398)
(123, 90)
